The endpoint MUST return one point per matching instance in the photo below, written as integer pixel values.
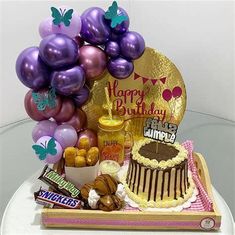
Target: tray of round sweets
(196, 217)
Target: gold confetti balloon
(155, 89)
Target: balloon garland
(74, 51)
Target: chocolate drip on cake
(175, 183)
(150, 184)
(133, 185)
(145, 174)
(181, 194)
(155, 189)
(169, 183)
(139, 177)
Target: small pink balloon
(167, 95)
(66, 135)
(91, 135)
(66, 111)
(93, 60)
(78, 120)
(31, 107)
(50, 158)
(176, 92)
(43, 128)
(45, 27)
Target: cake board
(138, 220)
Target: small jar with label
(111, 138)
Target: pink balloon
(66, 111)
(176, 92)
(31, 107)
(43, 128)
(45, 27)
(50, 159)
(91, 135)
(167, 95)
(93, 60)
(51, 112)
(66, 135)
(78, 120)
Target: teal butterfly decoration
(112, 15)
(42, 100)
(47, 148)
(61, 16)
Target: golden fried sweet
(92, 156)
(105, 184)
(69, 155)
(80, 161)
(84, 143)
(81, 152)
(86, 189)
(109, 203)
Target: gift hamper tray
(138, 220)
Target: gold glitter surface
(140, 95)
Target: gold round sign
(155, 89)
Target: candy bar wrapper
(55, 200)
(81, 175)
(58, 183)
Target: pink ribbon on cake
(206, 200)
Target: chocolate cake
(158, 174)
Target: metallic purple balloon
(132, 45)
(66, 111)
(120, 68)
(43, 128)
(93, 60)
(95, 28)
(81, 97)
(112, 49)
(68, 82)
(123, 27)
(114, 37)
(58, 50)
(31, 70)
(66, 135)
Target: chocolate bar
(58, 183)
(52, 200)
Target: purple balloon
(123, 27)
(95, 29)
(50, 159)
(58, 50)
(31, 70)
(114, 37)
(66, 135)
(120, 68)
(43, 128)
(112, 49)
(81, 97)
(68, 82)
(132, 45)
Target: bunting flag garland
(153, 81)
